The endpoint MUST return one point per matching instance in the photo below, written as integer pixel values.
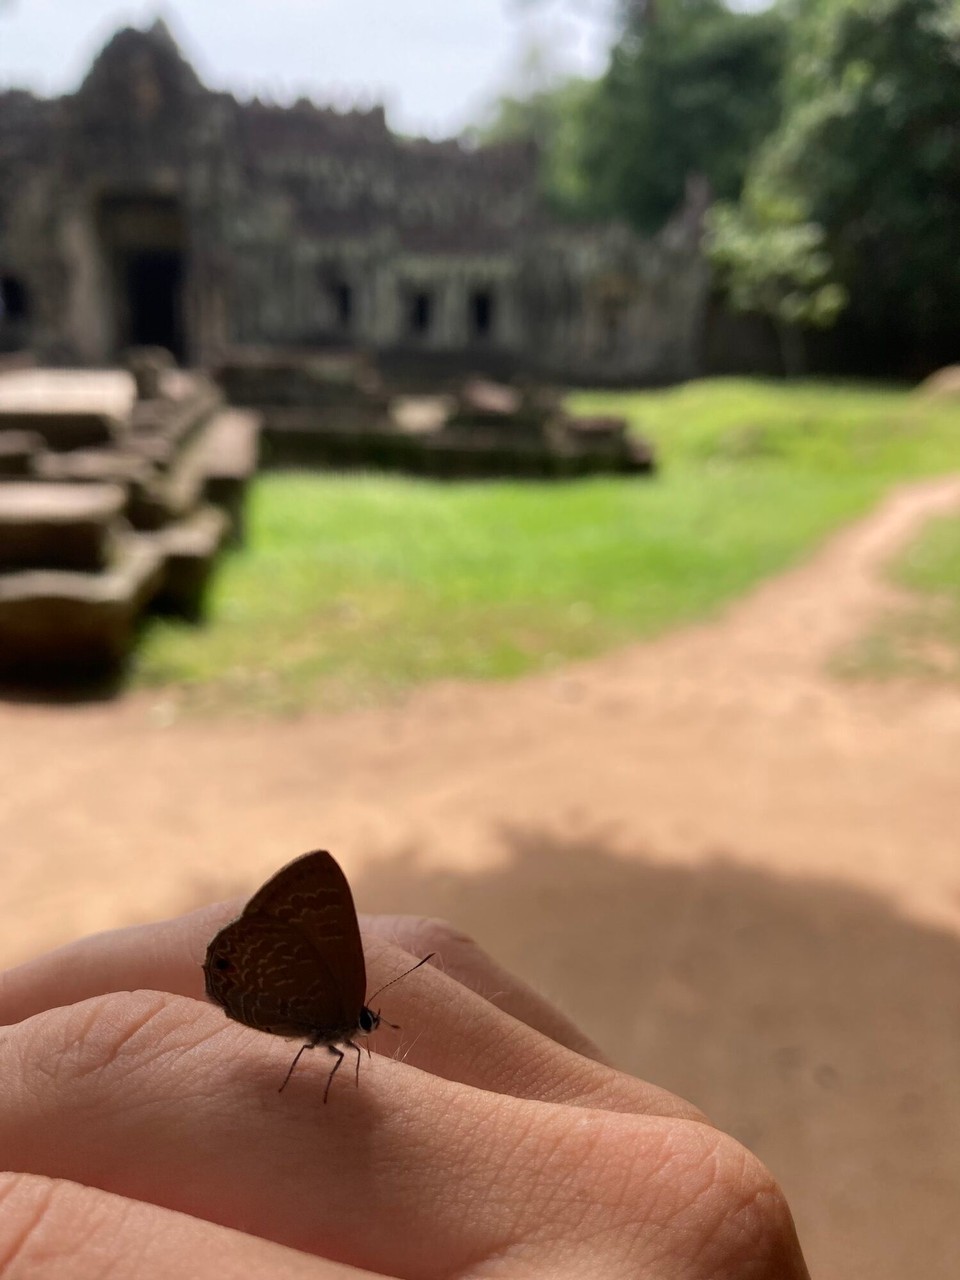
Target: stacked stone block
(110, 506)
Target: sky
(437, 65)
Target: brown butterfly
(292, 963)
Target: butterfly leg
(286, 1078)
(351, 1045)
(336, 1066)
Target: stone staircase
(110, 506)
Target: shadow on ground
(809, 1019)
(45, 690)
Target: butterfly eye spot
(223, 964)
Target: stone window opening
(481, 313)
(420, 315)
(14, 302)
(341, 304)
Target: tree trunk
(793, 349)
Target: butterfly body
(292, 963)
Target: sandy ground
(741, 876)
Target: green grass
(921, 640)
(352, 589)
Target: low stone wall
(327, 409)
(290, 440)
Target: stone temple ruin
(146, 209)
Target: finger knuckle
(446, 937)
(40, 1224)
(120, 1031)
(745, 1223)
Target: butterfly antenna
(397, 979)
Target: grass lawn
(922, 639)
(353, 588)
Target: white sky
(435, 63)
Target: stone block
(149, 367)
(76, 430)
(94, 466)
(190, 548)
(59, 624)
(231, 456)
(232, 442)
(308, 378)
(161, 429)
(58, 526)
(18, 450)
(69, 409)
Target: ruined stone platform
(330, 411)
(133, 517)
(318, 407)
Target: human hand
(146, 1136)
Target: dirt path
(739, 874)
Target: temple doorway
(144, 241)
(154, 282)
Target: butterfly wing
(265, 974)
(311, 897)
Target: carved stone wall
(147, 209)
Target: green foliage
(692, 88)
(870, 146)
(773, 261)
(921, 638)
(352, 589)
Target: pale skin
(488, 1138)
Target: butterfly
(292, 964)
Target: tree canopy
(692, 87)
(869, 143)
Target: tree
(691, 88)
(773, 261)
(870, 146)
